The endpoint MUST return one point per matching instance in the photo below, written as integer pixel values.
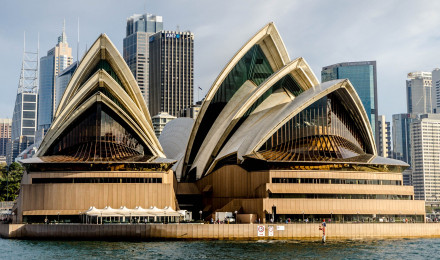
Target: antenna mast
(28, 82)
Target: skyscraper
(136, 47)
(24, 118)
(420, 95)
(171, 72)
(384, 144)
(362, 75)
(57, 59)
(62, 80)
(425, 152)
(5, 134)
(436, 86)
(402, 137)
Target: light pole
(200, 212)
(303, 218)
(58, 217)
(236, 217)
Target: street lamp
(236, 217)
(303, 217)
(58, 217)
(200, 212)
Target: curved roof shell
(263, 54)
(258, 92)
(103, 77)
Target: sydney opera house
(269, 142)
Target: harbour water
(347, 249)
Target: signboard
(270, 231)
(280, 227)
(172, 35)
(261, 231)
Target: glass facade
(253, 66)
(341, 196)
(337, 181)
(46, 91)
(362, 76)
(136, 48)
(98, 135)
(62, 81)
(402, 137)
(325, 130)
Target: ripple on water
(271, 249)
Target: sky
(402, 36)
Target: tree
(10, 181)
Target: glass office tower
(62, 81)
(364, 79)
(136, 47)
(57, 59)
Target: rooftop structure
(270, 140)
(159, 122)
(100, 150)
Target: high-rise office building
(62, 81)
(401, 127)
(425, 153)
(436, 86)
(159, 121)
(5, 134)
(363, 77)
(384, 144)
(420, 95)
(136, 47)
(57, 59)
(24, 118)
(171, 72)
(23, 125)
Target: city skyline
(312, 30)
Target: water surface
(348, 249)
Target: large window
(336, 181)
(340, 196)
(99, 135)
(324, 131)
(96, 180)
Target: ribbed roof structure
(264, 106)
(102, 115)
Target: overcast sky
(402, 36)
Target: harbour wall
(140, 232)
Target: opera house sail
(101, 150)
(272, 143)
